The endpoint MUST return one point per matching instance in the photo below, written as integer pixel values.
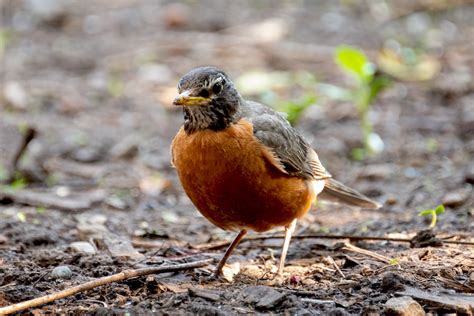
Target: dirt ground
(91, 83)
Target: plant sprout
(433, 213)
(368, 85)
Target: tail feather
(338, 192)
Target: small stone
(61, 272)
(229, 271)
(391, 200)
(403, 306)
(425, 238)
(263, 297)
(205, 294)
(88, 154)
(456, 198)
(82, 247)
(391, 282)
(471, 279)
(15, 95)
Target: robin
(243, 165)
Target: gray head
(209, 99)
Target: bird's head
(209, 98)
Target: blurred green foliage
(368, 84)
(278, 88)
(5, 38)
(115, 85)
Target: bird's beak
(185, 99)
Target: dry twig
(127, 274)
(365, 252)
(336, 266)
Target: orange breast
(229, 178)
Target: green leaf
(40, 210)
(439, 209)
(377, 85)
(358, 154)
(355, 62)
(296, 108)
(18, 184)
(427, 213)
(394, 262)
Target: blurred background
(383, 90)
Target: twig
(365, 252)
(223, 244)
(127, 274)
(316, 301)
(336, 266)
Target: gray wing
(289, 148)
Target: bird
(242, 164)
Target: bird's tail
(337, 192)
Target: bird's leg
(229, 252)
(288, 232)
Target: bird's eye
(204, 93)
(217, 88)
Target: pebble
(205, 294)
(264, 297)
(391, 199)
(15, 95)
(378, 172)
(456, 198)
(403, 306)
(82, 247)
(471, 279)
(229, 271)
(61, 272)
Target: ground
(91, 84)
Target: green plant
(5, 39)
(433, 213)
(278, 89)
(115, 85)
(368, 84)
(295, 108)
(394, 262)
(19, 182)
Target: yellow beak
(184, 99)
